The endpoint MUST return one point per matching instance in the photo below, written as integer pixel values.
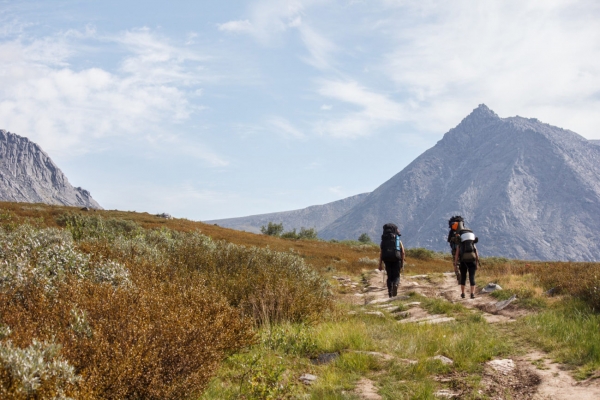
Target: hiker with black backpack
(467, 260)
(456, 224)
(392, 254)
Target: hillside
(27, 174)
(528, 189)
(317, 217)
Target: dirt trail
(533, 376)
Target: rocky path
(533, 376)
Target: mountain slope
(311, 217)
(27, 174)
(528, 189)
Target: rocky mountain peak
(27, 174)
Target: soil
(533, 376)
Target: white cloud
(533, 58)
(319, 48)
(284, 128)
(326, 107)
(375, 110)
(65, 110)
(243, 26)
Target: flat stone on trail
(437, 320)
(388, 300)
(376, 313)
(418, 276)
(307, 379)
(413, 304)
(374, 289)
(429, 319)
(504, 366)
(446, 394)
(503, 304)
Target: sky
(219, 109)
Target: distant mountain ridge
(27, 174)
(317, 217)
(529, 190)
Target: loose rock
(491, 287)
(307, 379)
(505, 366)
(444, 360)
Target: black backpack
(453, 237)
(390, 243)
(467, 247)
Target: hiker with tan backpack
(466, 259)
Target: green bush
(272, 229)
(365, 238)
(421, 253)
(307, 233)
(290, 234)
(304, 234)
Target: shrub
(41, 257)
(267, 285)
(368, 261)
(421, 253)
(304, 234)
(36, 371)
(272, 229)
(290, 234)
(365, 238)
(159, 340)
(307, 233)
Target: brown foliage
(159, 340)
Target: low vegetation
(128, 305)
(109, 309)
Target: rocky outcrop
(27, 174)
(529, 190)
(311, 217)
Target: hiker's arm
(477, 257)
(402, 252)
(456, 257)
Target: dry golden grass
(320, 254)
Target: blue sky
(207, 109)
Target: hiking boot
(462, 295)
(472, 295)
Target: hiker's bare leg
(472, 289)
(462, 289)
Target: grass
(569, 332)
